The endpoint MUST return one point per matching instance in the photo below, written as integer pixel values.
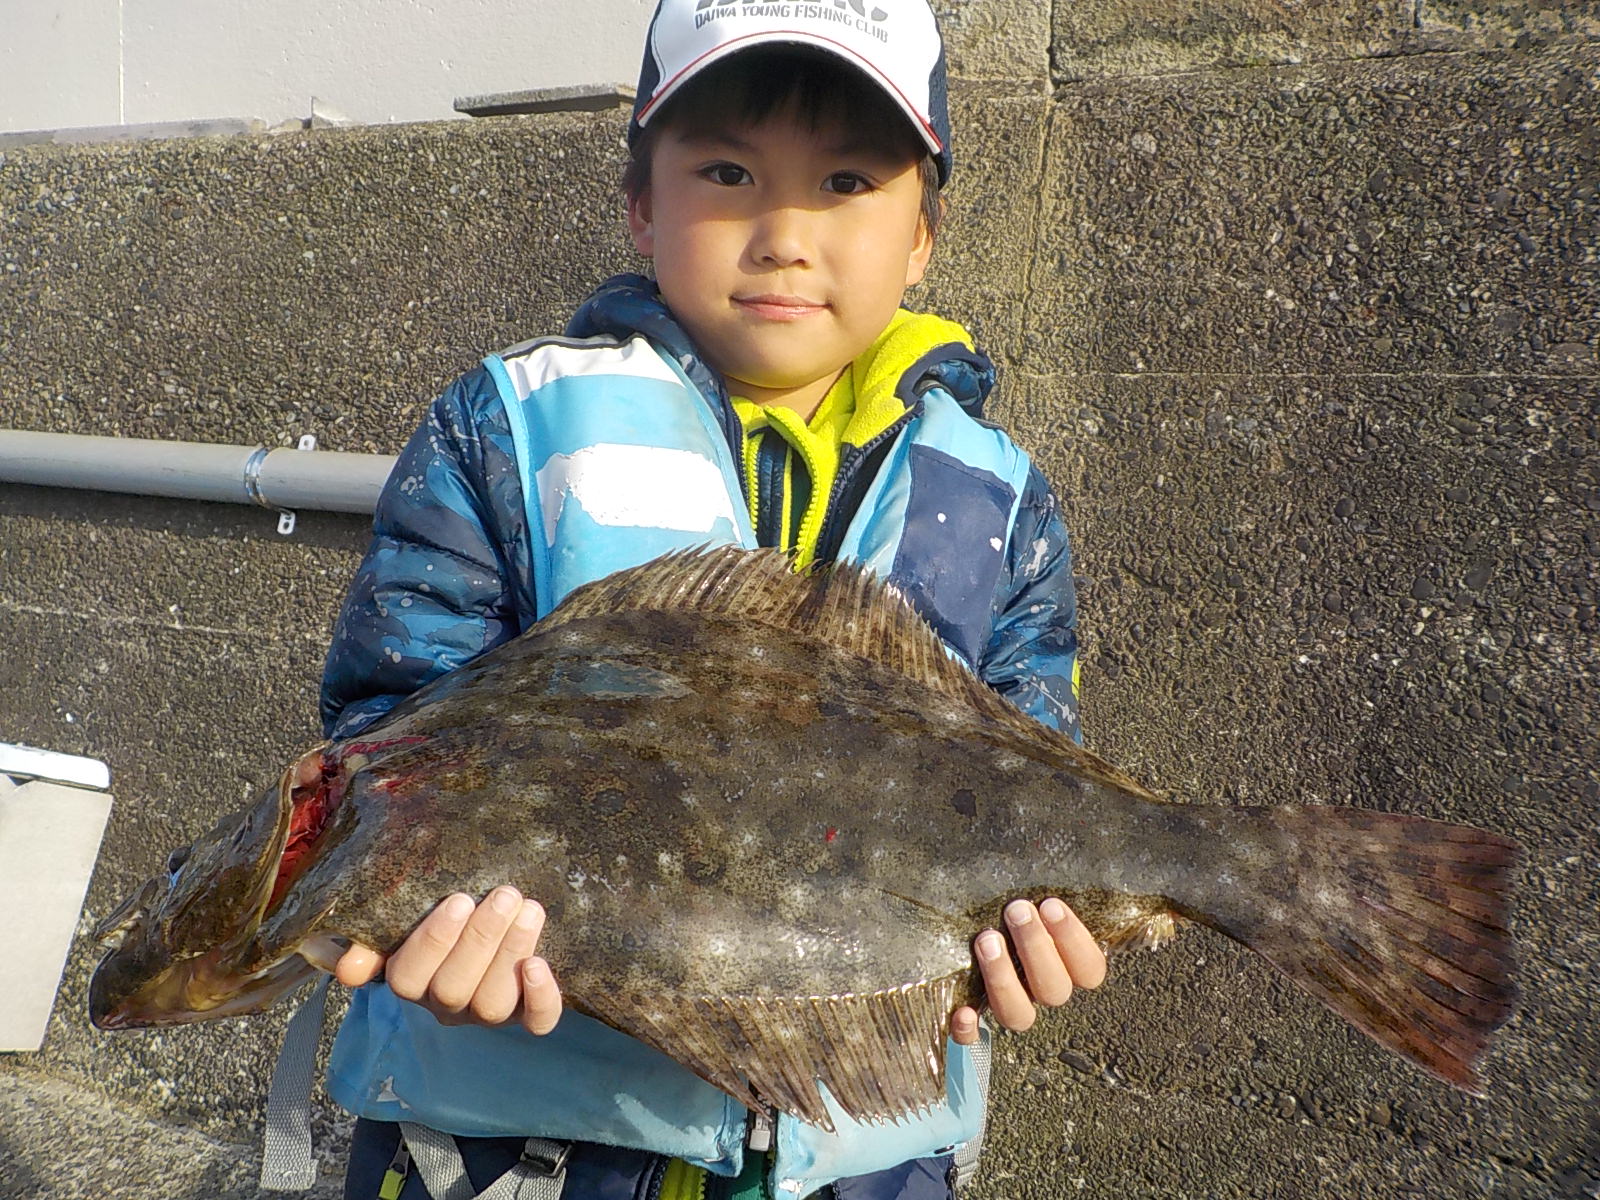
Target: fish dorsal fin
(880, 1055)
(846, 606)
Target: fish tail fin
(1397, 923)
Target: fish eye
(176, 859)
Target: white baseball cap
(895, 43)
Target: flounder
(767, 813)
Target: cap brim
(796, 37)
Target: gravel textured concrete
(245, 289)
(1475, 24)
(1305, 594)
(1154, 37)
(1310, 352)
(1116, 38)
(1401, 215)
(996, 39)
(60, 1141)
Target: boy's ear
(641, 223)
(921, 253)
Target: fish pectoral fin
(324, 950)
(881, 1055)
(1120, 921)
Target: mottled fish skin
(691, 836)
(765, 812)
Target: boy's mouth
(774, 307)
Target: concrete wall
(68, 63)
(1298, 308)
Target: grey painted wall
(66, 63)
(1297, 307)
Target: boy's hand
(1057, 954)
(469, 965)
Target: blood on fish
(313, 805)
(373, 747)
(831, 834)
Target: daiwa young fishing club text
(845, 12)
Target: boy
(765, 388)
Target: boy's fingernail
(537, 972)
(990, 945)
(1053, 910)
(1018, 913)
(504, 901)
(458, 907)
(530, 915)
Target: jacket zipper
(771, 453)
(837, 519)
(658, 1176)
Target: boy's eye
(726, 174)
(848, 183)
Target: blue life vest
(622, 460)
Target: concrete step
(60, 1141)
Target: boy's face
(784, 250)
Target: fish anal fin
(880, 1055)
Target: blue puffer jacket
(454, 569)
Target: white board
(49, 838)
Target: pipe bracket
(286, 516)
(252, 477)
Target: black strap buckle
(545, 1157)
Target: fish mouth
(198, 989)
(147, 979)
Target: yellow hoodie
(860, 406)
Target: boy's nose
(782, 238)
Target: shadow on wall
(17, 1182)
(186, 519)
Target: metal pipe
(331, 480)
